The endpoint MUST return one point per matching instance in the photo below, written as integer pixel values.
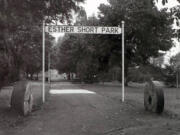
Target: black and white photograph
(89, 67)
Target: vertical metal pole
(122, 61)
(43, 63)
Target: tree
(77, 53)
(170, 73)
(32, 58)
(175, 11)
(175, 61)
(147, 30)
(20, 24)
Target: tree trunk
(37, 76)
(68, 76)
(31, 76)
(27, 75)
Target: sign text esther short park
(82, 29)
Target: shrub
(143, 73)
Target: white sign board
(82, 29)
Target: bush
(104, 77)
(87, 71)
(170, 76)
(144, 73)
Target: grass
(36, 87)
(135, 94)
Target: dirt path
(97, 113)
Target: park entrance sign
(81, 30)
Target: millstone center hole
(150, 100)
(29, 100)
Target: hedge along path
(153, 98)
(22, 98)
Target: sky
(170, 4)
(91, 6)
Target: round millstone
(153, 98)
(22, 98)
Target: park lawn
(135, 94)
(5, 94)
(132, 110)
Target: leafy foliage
(145, 72)
(77, 53)
(21, 32)
(147, 30)
(172, 70)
